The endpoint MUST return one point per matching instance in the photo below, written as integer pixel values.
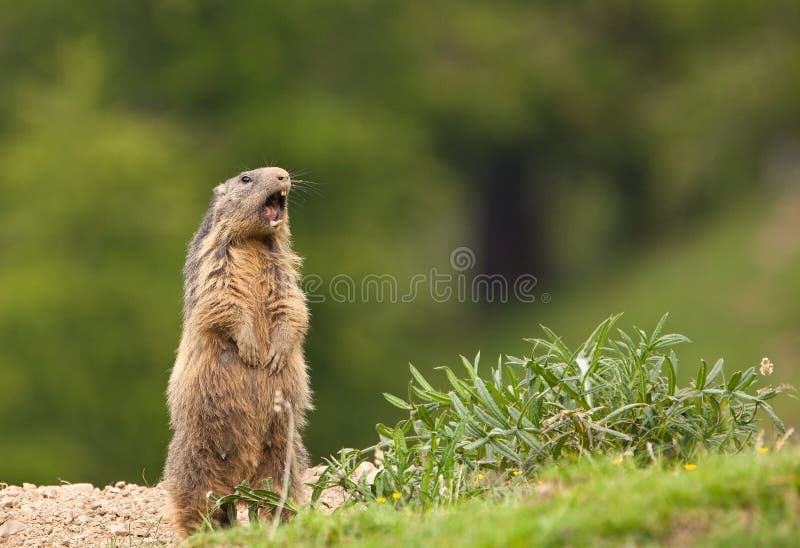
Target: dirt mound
(81, 514)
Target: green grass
(746, 499)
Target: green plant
(255, 499)
(612, 394)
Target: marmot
(241, 351)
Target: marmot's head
(254, 204)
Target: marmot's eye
(246, 179)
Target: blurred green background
(635, 156)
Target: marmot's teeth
(283, 193)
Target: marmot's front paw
(278, 352)
(275, 361)
(249, 355)
(248, 350)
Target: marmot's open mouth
(273, 208)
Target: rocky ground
(81, 514)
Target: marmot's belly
(233, 411)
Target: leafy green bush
(612, 394)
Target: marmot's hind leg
(191, 508)
(188, 483)
(187, 509)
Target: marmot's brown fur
(245, 319)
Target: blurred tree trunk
(512, 233)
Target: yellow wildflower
(516, 473)
(381, 500)
(396, 495)
(617, 460)
(690, 467)
(763, 449)
(481, 476)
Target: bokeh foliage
(563, 139)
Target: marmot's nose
(281, 174)
(277, 174)
(285, 180)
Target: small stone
(11, 527)
(118, 530)
(120, 485)
(28, 486)
(7, 502)
(79, 487)
(113, 490)
(366, 470)
(82, 519)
